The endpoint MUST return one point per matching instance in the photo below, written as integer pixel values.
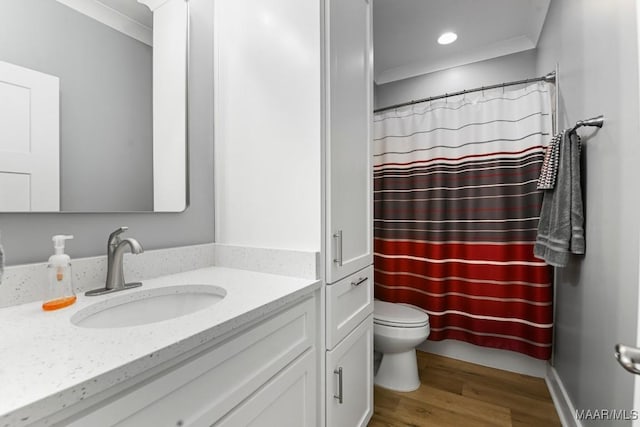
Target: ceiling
(405, 33)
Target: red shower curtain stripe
(476, 305)
(475, 300)
(379, 166)
(472, 251)
(471, 290)
(538, 274)
(522, 333)
(396, 182)
(455, 217)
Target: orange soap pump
(60, 293)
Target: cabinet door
(349, 379)
(288, 400)
(348, 120)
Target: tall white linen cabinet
(348, 207)
(293, 116)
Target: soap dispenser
(60, 292)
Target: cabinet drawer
(349, 301)
(209, 385)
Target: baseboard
(564, 406)
(490, 357)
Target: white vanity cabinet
(348, 122)
(265, 376)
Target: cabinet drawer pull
(338, 372)
(360, 281)
(338, 238)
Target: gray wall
(595, 45)
(27, 237)
(105, 101)
(506, 68)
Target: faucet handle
(114, 235)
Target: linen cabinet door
(348, 115)
(349, 379)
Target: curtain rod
(549, 78)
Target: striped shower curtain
(456, 212)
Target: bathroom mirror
(93, 105)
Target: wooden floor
(461, 394)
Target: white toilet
(397, 330)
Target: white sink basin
(148, 306)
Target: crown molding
(112, 18)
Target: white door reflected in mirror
(29, 140)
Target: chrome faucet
(115, 254)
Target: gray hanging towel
(561, 226)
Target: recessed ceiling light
(447, 38)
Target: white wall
(267, 123)
(517, 66)
(595, 44)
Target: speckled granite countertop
(47, 363)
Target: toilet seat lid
(393, 314)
